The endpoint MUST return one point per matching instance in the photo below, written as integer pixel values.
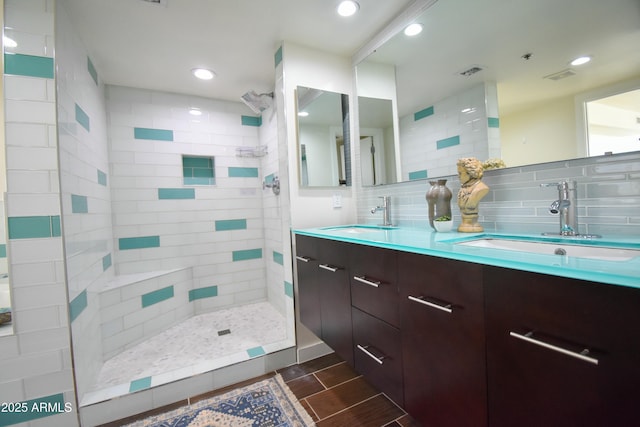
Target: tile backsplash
(608, 197)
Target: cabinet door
(443, 342)
(378, 354)
(335, 296)
(561, 351)
(374, 284)
(308, 289)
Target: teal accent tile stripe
(79, 204)
(34, 227)
(78, 304)
(256, 351)
(41, 407)
(92, 71)
(143, 242)
(278, 258)
(157, 296)
(247, 254)
(106, 262)
(176, 193)
(288, 289)
(154, 134)
(231, 224)
(418, 175)
(448, 142)
(200, 293)
(140, 384)
(277, 58)
(3, 250)
(83, 118)
(197, 162)
(28, 65)
(269, 178)
(102, 178)
(423, 113)
(251, 121)
(493, 122)
(235, 172)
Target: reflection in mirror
(323, 138)
(6, 324)
(508, 90)
(377, 141)
(613, 123)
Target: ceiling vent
(470, 71)
(561, 74)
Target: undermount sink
(555, 248)
(356, 229)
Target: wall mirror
(495, 79)
(323, 138)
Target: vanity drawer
(374, 285)
(377, 354)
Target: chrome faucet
(384, 207)
(566, 206)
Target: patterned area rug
(267, 403)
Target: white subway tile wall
(36, 361)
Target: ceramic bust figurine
(472, 190)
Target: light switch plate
(337, 200)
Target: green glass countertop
(445, 245)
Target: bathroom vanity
(461, 335)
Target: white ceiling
(154, 46)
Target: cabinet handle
(365, 350)
(303, 258)
(329, 267)
(582, 355)
(363, 279)
(421, 300)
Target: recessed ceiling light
(348, 7)
(581, 60)
(203, 73)
(413, 30)
(303, 114)
(195, 111)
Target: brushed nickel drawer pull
(363, 279)
(303, 258)
(365, 350)
(328, 267)
(421, 300)
(581, 355)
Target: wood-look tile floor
(335, 395)
(331, 392)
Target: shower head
(257, 102)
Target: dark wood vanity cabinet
(443, 341)
(324, 295)
(464, 344)
(376, 318)
(560, 351)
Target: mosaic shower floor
(196, 345)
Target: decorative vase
(439, 200)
